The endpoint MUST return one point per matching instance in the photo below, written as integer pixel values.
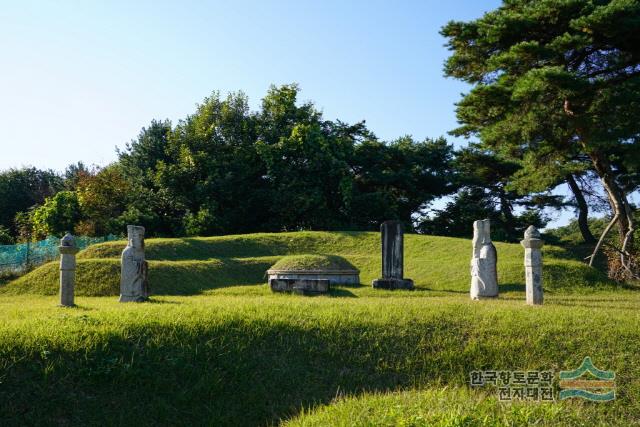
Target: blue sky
(80, 78)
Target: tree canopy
(226, 169)
(555, 82)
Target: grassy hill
(258, 359)
(448, 406)
(195, 265)
(216, 347)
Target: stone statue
(68, 251)
(133, 269)
(484, 270)
(533, 265)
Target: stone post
(392, 234)
(533, 265)
(68, 251)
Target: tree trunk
(583, 210)
(507, 213)
(617, 198)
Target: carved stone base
(393, 284)
(133, 298)
(300, 286)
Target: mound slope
(313, 262)
(441, 406)
(193, 265)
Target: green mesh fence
(15, 259)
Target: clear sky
(80, 78)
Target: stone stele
(68, 251)
(134, 268)
(484, 270)
(392, 234)
(533, 265)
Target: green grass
(255, 360)
(448, 406)
(217, 347)
(312, 262)
(214, 264)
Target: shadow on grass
(157, 301)
(511, 287)
(242, 246)
(199, 249)
(247, 370)
(603, 304)
(191, 278)
(231, 372)
(76, 307)
(446, 291)
(342, 293)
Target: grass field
(216, 347)
(201, 265)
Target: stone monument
(392, 258)
(484, 270)
(133, 268)
(533, 265)
(68, 251)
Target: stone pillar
(533, 265)
(392, 258)
(484, 262)
(68, 251)
(134, 267)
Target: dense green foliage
(487, 191)
(21, 189)
(226, 169)
(6, 237)
(556, 86)
(200, 265)
(58, 215)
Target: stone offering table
(300, 286)
(310, 274)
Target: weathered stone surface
(533, 265)
(134, 268)
(300, 286)
(392, 250)
(484, 260)
(392, 234)
(393, 284)
(68, 251)
(336, 277)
